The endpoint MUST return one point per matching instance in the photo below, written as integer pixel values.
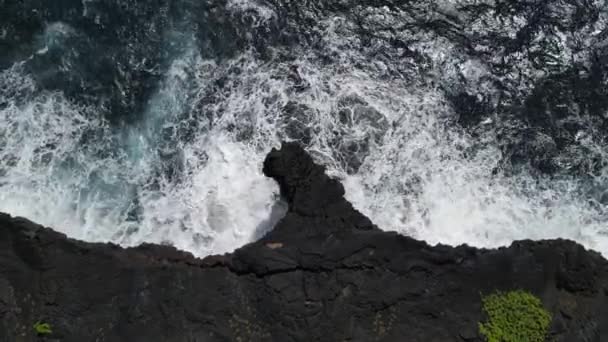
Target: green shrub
(515, 316)
(43, 328)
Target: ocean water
(453, 121)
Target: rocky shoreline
(324, 273)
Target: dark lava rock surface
(325, 273)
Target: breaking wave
(452, 122)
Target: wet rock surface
(324, 273)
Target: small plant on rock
(43, 328)
(515, 316)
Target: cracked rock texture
(325, 273)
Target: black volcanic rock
(325, 273)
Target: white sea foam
(419, 174)
(88, 190)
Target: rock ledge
(324, 273)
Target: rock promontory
(324, 273)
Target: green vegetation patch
(43, 328)
(515, 316)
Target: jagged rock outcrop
(324, 273)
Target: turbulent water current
(452, 121)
